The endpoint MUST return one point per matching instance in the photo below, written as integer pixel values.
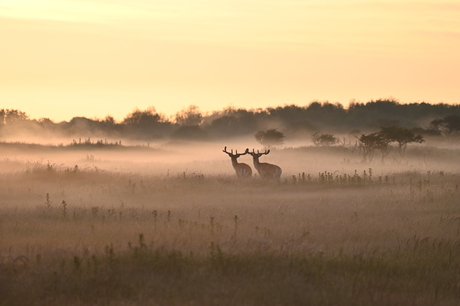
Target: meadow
(174, 226)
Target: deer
(242, 170)
(266, 170)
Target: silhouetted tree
(270, 137)
(374, 141)
(11, 116)
(189, 132)
(402, 136)
(426, 132)
(232, 122)
(2, 116)
(109, 120)
(298, 121)
(327, 115)
(46, 124)
(325, 139)
(294, 118)
(447, 125)
(190, 116)
(146, 117)
(146, 124)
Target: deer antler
(225, 151)
(236, 152)
(253, 152)
(258, 152)
(244, 153)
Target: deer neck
(234, 162)
(256, 162)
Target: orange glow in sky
(66, 58)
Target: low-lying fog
(207, 158)
(192, 185)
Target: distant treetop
(291, 120)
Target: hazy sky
(66, 58)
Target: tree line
(292, 121)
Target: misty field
(174, 226)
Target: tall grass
(78, 235)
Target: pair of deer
(265, 170)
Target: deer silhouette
(266, 170)
(242, 170)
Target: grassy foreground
(426, 273)
(89, 237)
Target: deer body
(242, 170)
(265, 170)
